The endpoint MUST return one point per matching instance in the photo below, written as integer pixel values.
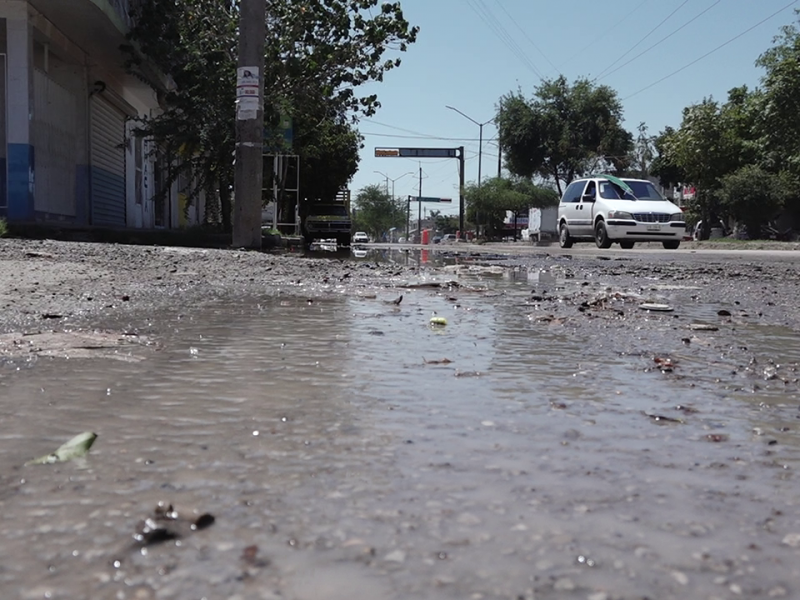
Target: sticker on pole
(248, 93)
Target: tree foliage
(317, 56)
(713, 141)
(488, 203)
(752, 196)
(376, 212)
(562, 131)
(743, 155)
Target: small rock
(680, 577)
(564, 584)
(793, 540)
(398, 556)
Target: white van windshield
(643, 190)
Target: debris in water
(724, 313)
(468, 373)
(656, 307)
(166, 524)
(662, 418)
(438, 321)
(396, 301)
(703, 327)
(665, 364)
(250, 556)
(443, 361)
(76, 447)
(717, 437)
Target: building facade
(68, 107)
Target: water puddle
(349, 447)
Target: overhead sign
(430, 199)
(417, 152)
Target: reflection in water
(365, 454)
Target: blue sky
(471, 52)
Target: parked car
(437, 239)
(449, 238)
(360, 237)
(610, 210)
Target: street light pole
(480, 142)
(388, 179)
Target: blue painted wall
(21, 166)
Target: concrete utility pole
(249, 169)
(419, 207)
(461, 189)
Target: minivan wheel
(626, 245)
(564, 239)
(601, 235)
(672, 244)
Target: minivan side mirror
(588, 197)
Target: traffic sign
(417, 152)
(429, 199)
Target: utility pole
(419, 206)
(461, 189)
(499, 161)
(408, 219)
(249, 168)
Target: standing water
(348, 448)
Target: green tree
(712, 142)
(376, 212)
(444, 223)
(317, 56)
(669, 173)
(495, 196)
(562, 131)
(752, 196)
(780, 110)
(643, 154)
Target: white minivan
(608, 209)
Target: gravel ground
(77, 283)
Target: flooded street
(552, 440)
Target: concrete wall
(51, 78)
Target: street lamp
(388, 179)
(480, 140)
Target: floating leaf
(75, 448)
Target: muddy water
(349, 450)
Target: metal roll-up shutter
(108, 164)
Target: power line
(419, 137)
(497, 28)
(710, 52)
(643, 38)
(606, 32)
(525, 33)
(664, 39)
